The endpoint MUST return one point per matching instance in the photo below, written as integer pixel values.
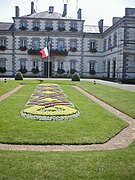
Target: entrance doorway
(114, 69)
(46, 66)
(108, 69)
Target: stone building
(92, 51)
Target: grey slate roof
(5, 26)
(93, 28)
(46, 14)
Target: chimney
(32, 8)
(51, 9)
(79, 14)
(115, 19)
(17, 11)
(129, 11)
(100, 26)
(65, 10)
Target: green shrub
(2, 69)
(75, 77)
(60, 71)
(35, 70)
(19, 76)
(72, 71)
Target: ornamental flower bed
(49, 103)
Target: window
(92, 67)
(73, 64)
(61, 45)
(73, 45)
(22, 63)
(23, 42)
(2, 62)
(60, 65)
(36, 44)
(92, 45)
(36, 24)
(23, 24)
(104, 45)
(61, 25)
(115, 40)
(2, 41)
(49, 26)
(35, 64)
(104, 66)
(73, 27)
(109, 42)
(2, 44)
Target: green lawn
(9, 85)
(96, 165)
(120, 99)
(95, 125)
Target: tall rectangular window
(72, 65)
(60, 65)
(23, 42)
(61, 25)
(2, 41)
(2, 62)
(23, 64)
(92, 66)
(92, 45)
(23, 24)
(109, 42)
(36, 24)
(36, 44)
(61, 45)
(73, 44)
(104, 45)
(35, 64)
(104, 66)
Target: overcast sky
(92, 10)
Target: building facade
(92, 51)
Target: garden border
(121, 140)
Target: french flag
(44, 52)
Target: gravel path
(121, 140)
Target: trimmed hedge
(19, 76)
(75, 77)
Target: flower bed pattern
(49, 103)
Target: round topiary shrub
(75, 77)
(19, 76)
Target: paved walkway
(121, 140)
(10, 92)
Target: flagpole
(48, 65)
